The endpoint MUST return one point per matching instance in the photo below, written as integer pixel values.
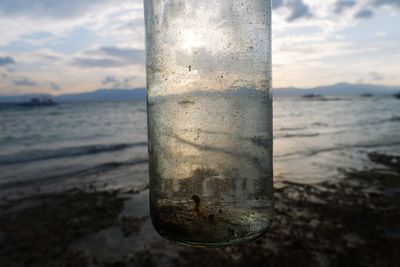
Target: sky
(69, 46)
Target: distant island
(340, 89)
(115, 94)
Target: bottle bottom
(209, 223)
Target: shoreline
(353, 221)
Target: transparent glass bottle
(209, 119)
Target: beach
(353, 222)
(79, 196)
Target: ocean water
(68, 145)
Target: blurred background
(73, 117)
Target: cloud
(58, 9)
(25, 82)
(54, 86)
(277, 3)
(109, 80)
(134, 56)
(114, 82)
(376, 76)
(97, 62)
(364, 14)
(298, 9)
(50, 57)
(6, 61)
(342, 5)
(367, 12)
(387, 2)
(110, 56)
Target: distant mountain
(340, 89)
(22, 98)
(96, 96)
(104, 95)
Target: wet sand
(351, 222)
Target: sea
(104, 144)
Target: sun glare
(191, 39)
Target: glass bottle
(209, 119)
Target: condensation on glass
(209, 119)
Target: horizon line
(144, 88)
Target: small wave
(291, 129)
(98, 169)
(323, 98)
(105, 167)
(387, 120)
(394, 119)
(296, 135)
(320, 124)
(343, 147)
(20, 140)
(337, 148)
(38, 155)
